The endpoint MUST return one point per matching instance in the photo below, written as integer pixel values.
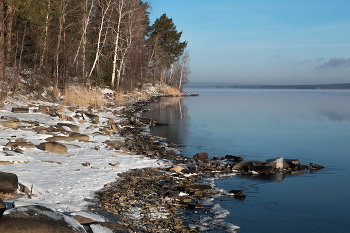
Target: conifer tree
(166, 44)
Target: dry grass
(55, 93)
(171, 91)
(83, 97)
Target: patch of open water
(310, 125)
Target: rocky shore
(162, 191)
(164, 199)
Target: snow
(60, 181)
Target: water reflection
(334, 115)
(174, 112)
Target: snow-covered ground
(60, 181)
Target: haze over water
(309, 125)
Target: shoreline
(184, 192)
(171, 177)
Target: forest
(104, 43)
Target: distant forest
(108, 43)
(315, 86)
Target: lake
(310, 125)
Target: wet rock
(233, 158)
(37, 219)
(53, 147)
(261, 169)
(8, 182)
(294, 164)
(201, 156)
(298, 172)
(193, 168)
(20, 110)
(316, 166)
(240, 166)
(240, 194)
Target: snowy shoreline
(67, 182)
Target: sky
(263, 42)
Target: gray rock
(37, 219)
(53, 147)
(8, 182)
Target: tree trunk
(9, 34)
(45, 36)
(2, 35)
(116, 44)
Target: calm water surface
(310, 125)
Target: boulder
(53, 147)
(10, 124)
(261, 169)
(8, 182)
(240, 194)
(79, 137)
(201, 156)
(8, 118)
(193, 168)
(114, 143)
(107, 227)
(37, 219)
(233, 158)
(20, 110)
(240, 166)
(176, 169)
(92, 117)
(60, 138)
(23, 144)
(294, 164)
(72, 127)
(316, 166)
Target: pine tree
(164, 43)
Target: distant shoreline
(237, 86)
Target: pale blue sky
(263, 41)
